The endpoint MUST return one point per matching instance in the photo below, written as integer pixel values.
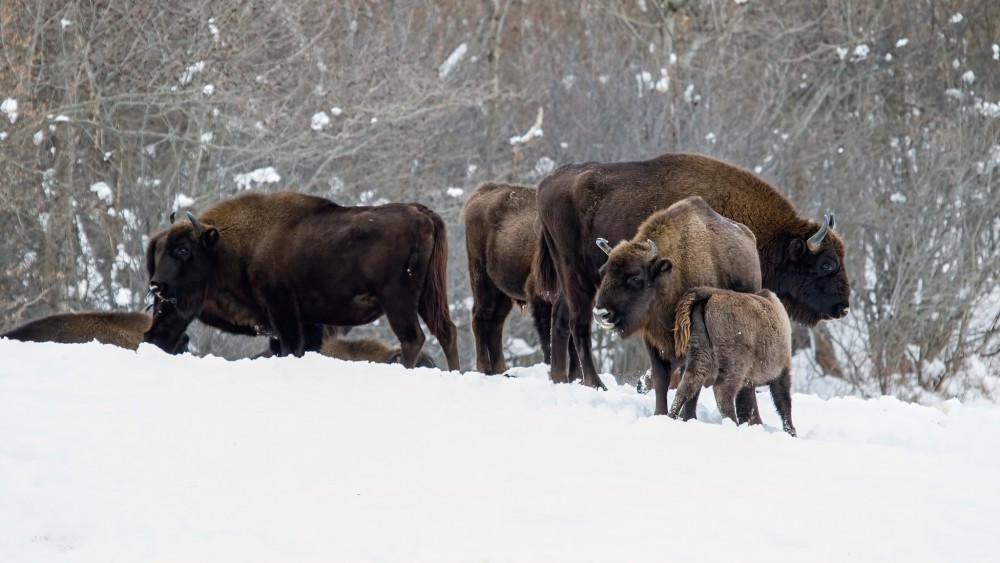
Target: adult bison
(120, 328)
(501, 243)
(684, 246)
(801, 260)
(286, 263)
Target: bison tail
(433, 306)
(544, 267)
(687, 306)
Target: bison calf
(732, 341)
(123, 329)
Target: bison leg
(406, 326)
(447, 335)
(559, 368)
(660, 374)
(746, 406)
(580, 324)
(689, 387)
(489, 311)
(725, 398)
(781, 393)
(541, 314)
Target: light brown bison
(284, 264)
(734, 341)
(501, 244)
(800, 260)
(369, 350)
(123, 329)
(684, 246)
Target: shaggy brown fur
(123, 329)
(734, 341)
(369, 350)
(501, 243)
(694, 246)
(284, 264)
(578, 203)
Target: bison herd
(703, 259)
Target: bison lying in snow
(800, 260)
(123, 329)
(686, 245)
(501, 246)
(284, 264)
(734, 341)
(369, 350)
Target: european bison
(733, 342)
(122, 329)
(686, 245)
(801, 260)
(501, 245)
(286, 263)
(369, 350)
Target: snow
(113, 455)
(181, 201)
(190, 72)
(9, 108)
(452, 61)
(454, 192)
(319, 121)
(266, 175)
(103, 192)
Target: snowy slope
(112, 455)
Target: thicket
(887, 112)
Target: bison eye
(636, 282)
(181, 252)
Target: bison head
(181, 266)
(809, 276)
(628, 285)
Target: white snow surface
(113, 455)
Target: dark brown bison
(123, 329)
(284, 264)
(801, 260)
(684, 246)
(369, 350)
(734, 341)
(501, 245)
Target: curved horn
(815, 240)
(832, 221)
(652, 248)
(172, 216)
(602, 243)
(198, 227)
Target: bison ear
(662, 266)
(796, 249)
(210, 238)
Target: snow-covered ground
(112, 455)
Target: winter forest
(115, 113)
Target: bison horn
(815, 240)
(602, 243)
(198, 227)
(652, 248)
(172, 214)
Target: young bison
(732, 341)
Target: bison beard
(284, 264)
(579, 203)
